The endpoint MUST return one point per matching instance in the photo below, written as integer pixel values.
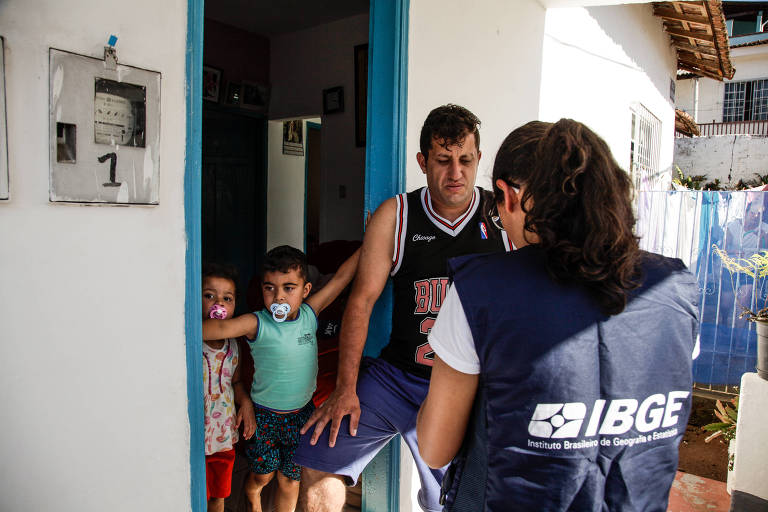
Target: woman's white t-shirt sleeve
(451, 338)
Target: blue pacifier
(280, 311)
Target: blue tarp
(688, 225)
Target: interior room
(283, 152)
(284, 117)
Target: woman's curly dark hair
(577, 200)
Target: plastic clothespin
(110, 53)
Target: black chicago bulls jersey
(424, 242)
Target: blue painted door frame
(192, 221)
(384, 177)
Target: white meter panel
(4, 187)
(104, 131)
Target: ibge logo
(565, 420)
(557, 420)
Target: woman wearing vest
(562, 374)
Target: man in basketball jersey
(410, 238)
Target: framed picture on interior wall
(333, 100)
(211, 83)
(361, 93)
(293, 137)
(234, 93)
(254, 97)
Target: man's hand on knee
(338, 405)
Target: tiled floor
(691, 493)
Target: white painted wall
(286, 181)
(749, 474)
(92, 344)
(485, 57)
(741, 156)
(598, 62)
(302, 64)
(751, 63)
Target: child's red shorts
(218, 473)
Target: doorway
(313, 188)
(234, 178)
(388, 53)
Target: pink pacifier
(218, 312)
(280, 311)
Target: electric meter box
(104, 131)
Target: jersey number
(424, 353)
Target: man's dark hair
(224, 271)
(449, 125)
(283, 259)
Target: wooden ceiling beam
(672, 15)
(699, 65)
(691, 35)
(698, 49)
(679, 10)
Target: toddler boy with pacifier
(223, 388)
(282, 341)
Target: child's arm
(328, 293)
(244, 325)
(245, 414)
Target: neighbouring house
(731, 112)
(100, 305)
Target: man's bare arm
(372, 273)
(328, 293)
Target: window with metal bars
(645, 147)
(746, 101)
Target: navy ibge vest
(575, 410)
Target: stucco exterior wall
(486, 57)
(598, 62)
(751, 63)
(751, 449)
(741, 156)
(92, 342)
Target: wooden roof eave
(685, 124)
(697, 31)
(715, 8)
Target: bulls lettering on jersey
(424, 242)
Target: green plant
(726, 427)
(756, 267)
(713, 185)
(691, 182)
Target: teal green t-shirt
(285, 360)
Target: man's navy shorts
(389, 402)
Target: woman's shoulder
(523, 259)
(656, 267)
(666, 275)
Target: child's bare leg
(253, 487)
(216, 505)
(287, 493)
